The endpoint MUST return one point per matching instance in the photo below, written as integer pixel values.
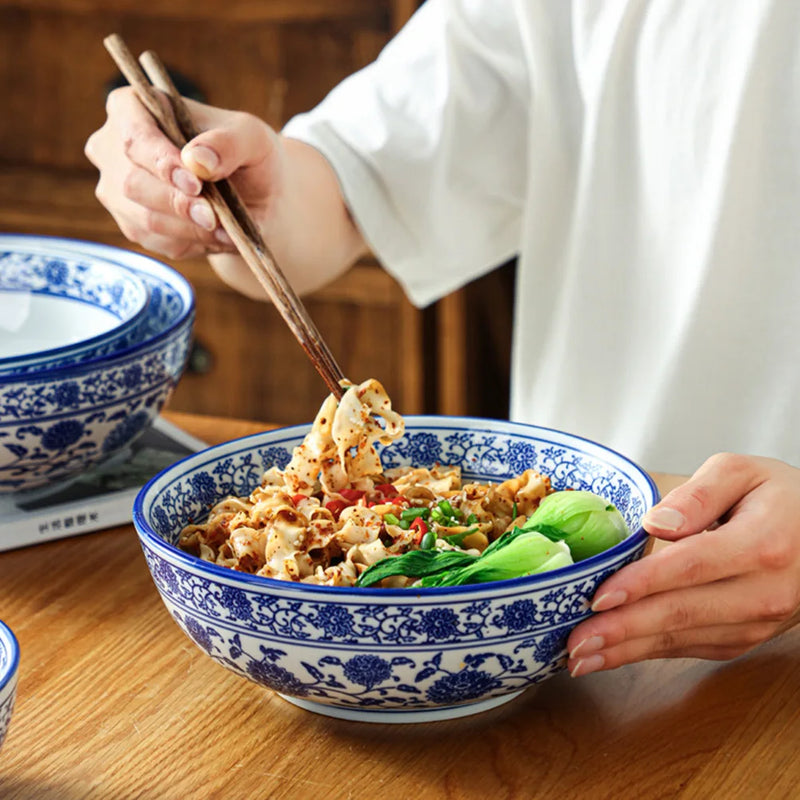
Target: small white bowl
(57, 310)
(9, 668)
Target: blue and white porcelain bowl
(57, 310)
(57, 422)
(9, 668)
(388, 655)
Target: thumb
(717, 486)
(217, 153)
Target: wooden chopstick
(176, 122)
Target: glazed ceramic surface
(388, 655)
(55, 422)
(9, 668)
(58, 309)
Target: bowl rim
(10, 640)
(148, 536)
(113, 254)
(116, 331)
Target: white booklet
(98, 498)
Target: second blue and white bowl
(55, 422)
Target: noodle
(333, 511)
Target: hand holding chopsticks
(176, 123)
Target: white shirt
(642, 157)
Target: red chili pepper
(386, 489)
(336, 507)
(420, 526)
(353, 495)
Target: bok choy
(512, 555)
(585, 521)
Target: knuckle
(668, 642)
(777, 553)
(173, 248)
(91, 147)
(114, 99)
(100, 193)
(156, 224)
(128, 185)
(237, 120)
(678, 618)
(149, 220)
(755, 634)
(692, 570)
(615, 630)
(128, 231)
(699, 495)
(163, 160)
(779, 606)
(128, 144)
(641, 579)
(181, 204)
(730, 462)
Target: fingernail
(609, 600)
(588, 645)
(667, 519)
(184, 180)
(221, 236)
(204, 157)
(587, 665)
(202, 214)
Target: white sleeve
(429, 144)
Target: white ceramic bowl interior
(56, 310)
(388, 655)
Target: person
(642, 161)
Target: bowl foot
(399, 715)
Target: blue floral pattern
(388, 650)
(90, 280)
(57, 421)
(420, 449)
(392, 681)
(51, 429)
(126, 431)
(61, 435)
(463, 686)
(364, 670)
(378, 624)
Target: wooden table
(116, 703)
